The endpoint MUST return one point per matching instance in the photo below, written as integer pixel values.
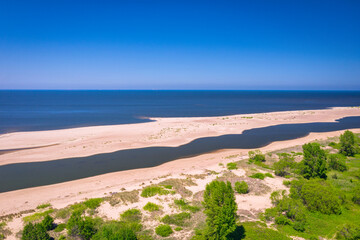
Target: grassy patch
(123, 197)
(151, 207)
(131, 215)
(178, 219)
(155, 190)
(257, 231)
(185, 206)
(37, 216)
(231, 166)
(258, 176)
(179, 185)
(93, 203)
(42, 206)
(60, 227)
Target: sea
(34, 110)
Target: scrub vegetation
(320, 200)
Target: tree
(35, 232)
(337, 162)
(347, 143)
(285, 165)
(314, 162)
(220, 209)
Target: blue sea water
(31, 110)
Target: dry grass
(123, 197)
(179, 185)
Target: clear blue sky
(180, 44)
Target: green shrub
(93, 203)
(317, 195)
(337, 162)
(282, 220)
(62, 237)
(154, 190)
(78, 226)
(356, 195)
(256, 156)
(48, 222)
(178, 229)
(314, 162)
(334, 145)
(167, 186)
(115, 230)
(231, 166)
(269, 175)
(258, 176)
(349, 232)
(178, 219)
(184, 205)
(241, 187)
(163, 230)
(287, 183)
(60, 227)
(35, 232)
(151, 207)
(37, 216)
(285, 165)
(131, 215)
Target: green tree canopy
(314, 162)
(220, 209)
(348, 146)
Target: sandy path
(164, 132)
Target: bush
(256, 156)
(35, 232)
(93, 203)
(151, 207)
(220, 209)
(356, 195)
(287, 183)
(80, 226)
(231, 166)
(241, 187)
(348, 147)
(258, 176)
(269, 175)
(317, 195)
(163, 230)
(282, 220)
(154, 190)
(176, 219)
(348, 232)
(337, 162)
(284, 166)
(60, 227)
(115, 230)
(131, 215)
(314, 162)
(42, 206)
(48, 223)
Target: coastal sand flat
(162, 132)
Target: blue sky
(180, 44)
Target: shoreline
(62, 194)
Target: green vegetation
(45, 205)
(241, 187)
(35, 232)
(163, 230)
(337, 162)
(37, 216)
(155, 190)
(348, 145)
(115, 230)
(185, 206)
(93, 203)
(79, 226)
(178, 219)
(256, 156)
(48, 223)
(131, 215)
(151, 207)
(314, 162)
(178, 229)
(285, 165)
(231, 166)
(220, 209)
(60, 227)
(258, 176)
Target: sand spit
(163, 132)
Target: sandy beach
(161, 132)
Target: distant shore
(88, 141)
